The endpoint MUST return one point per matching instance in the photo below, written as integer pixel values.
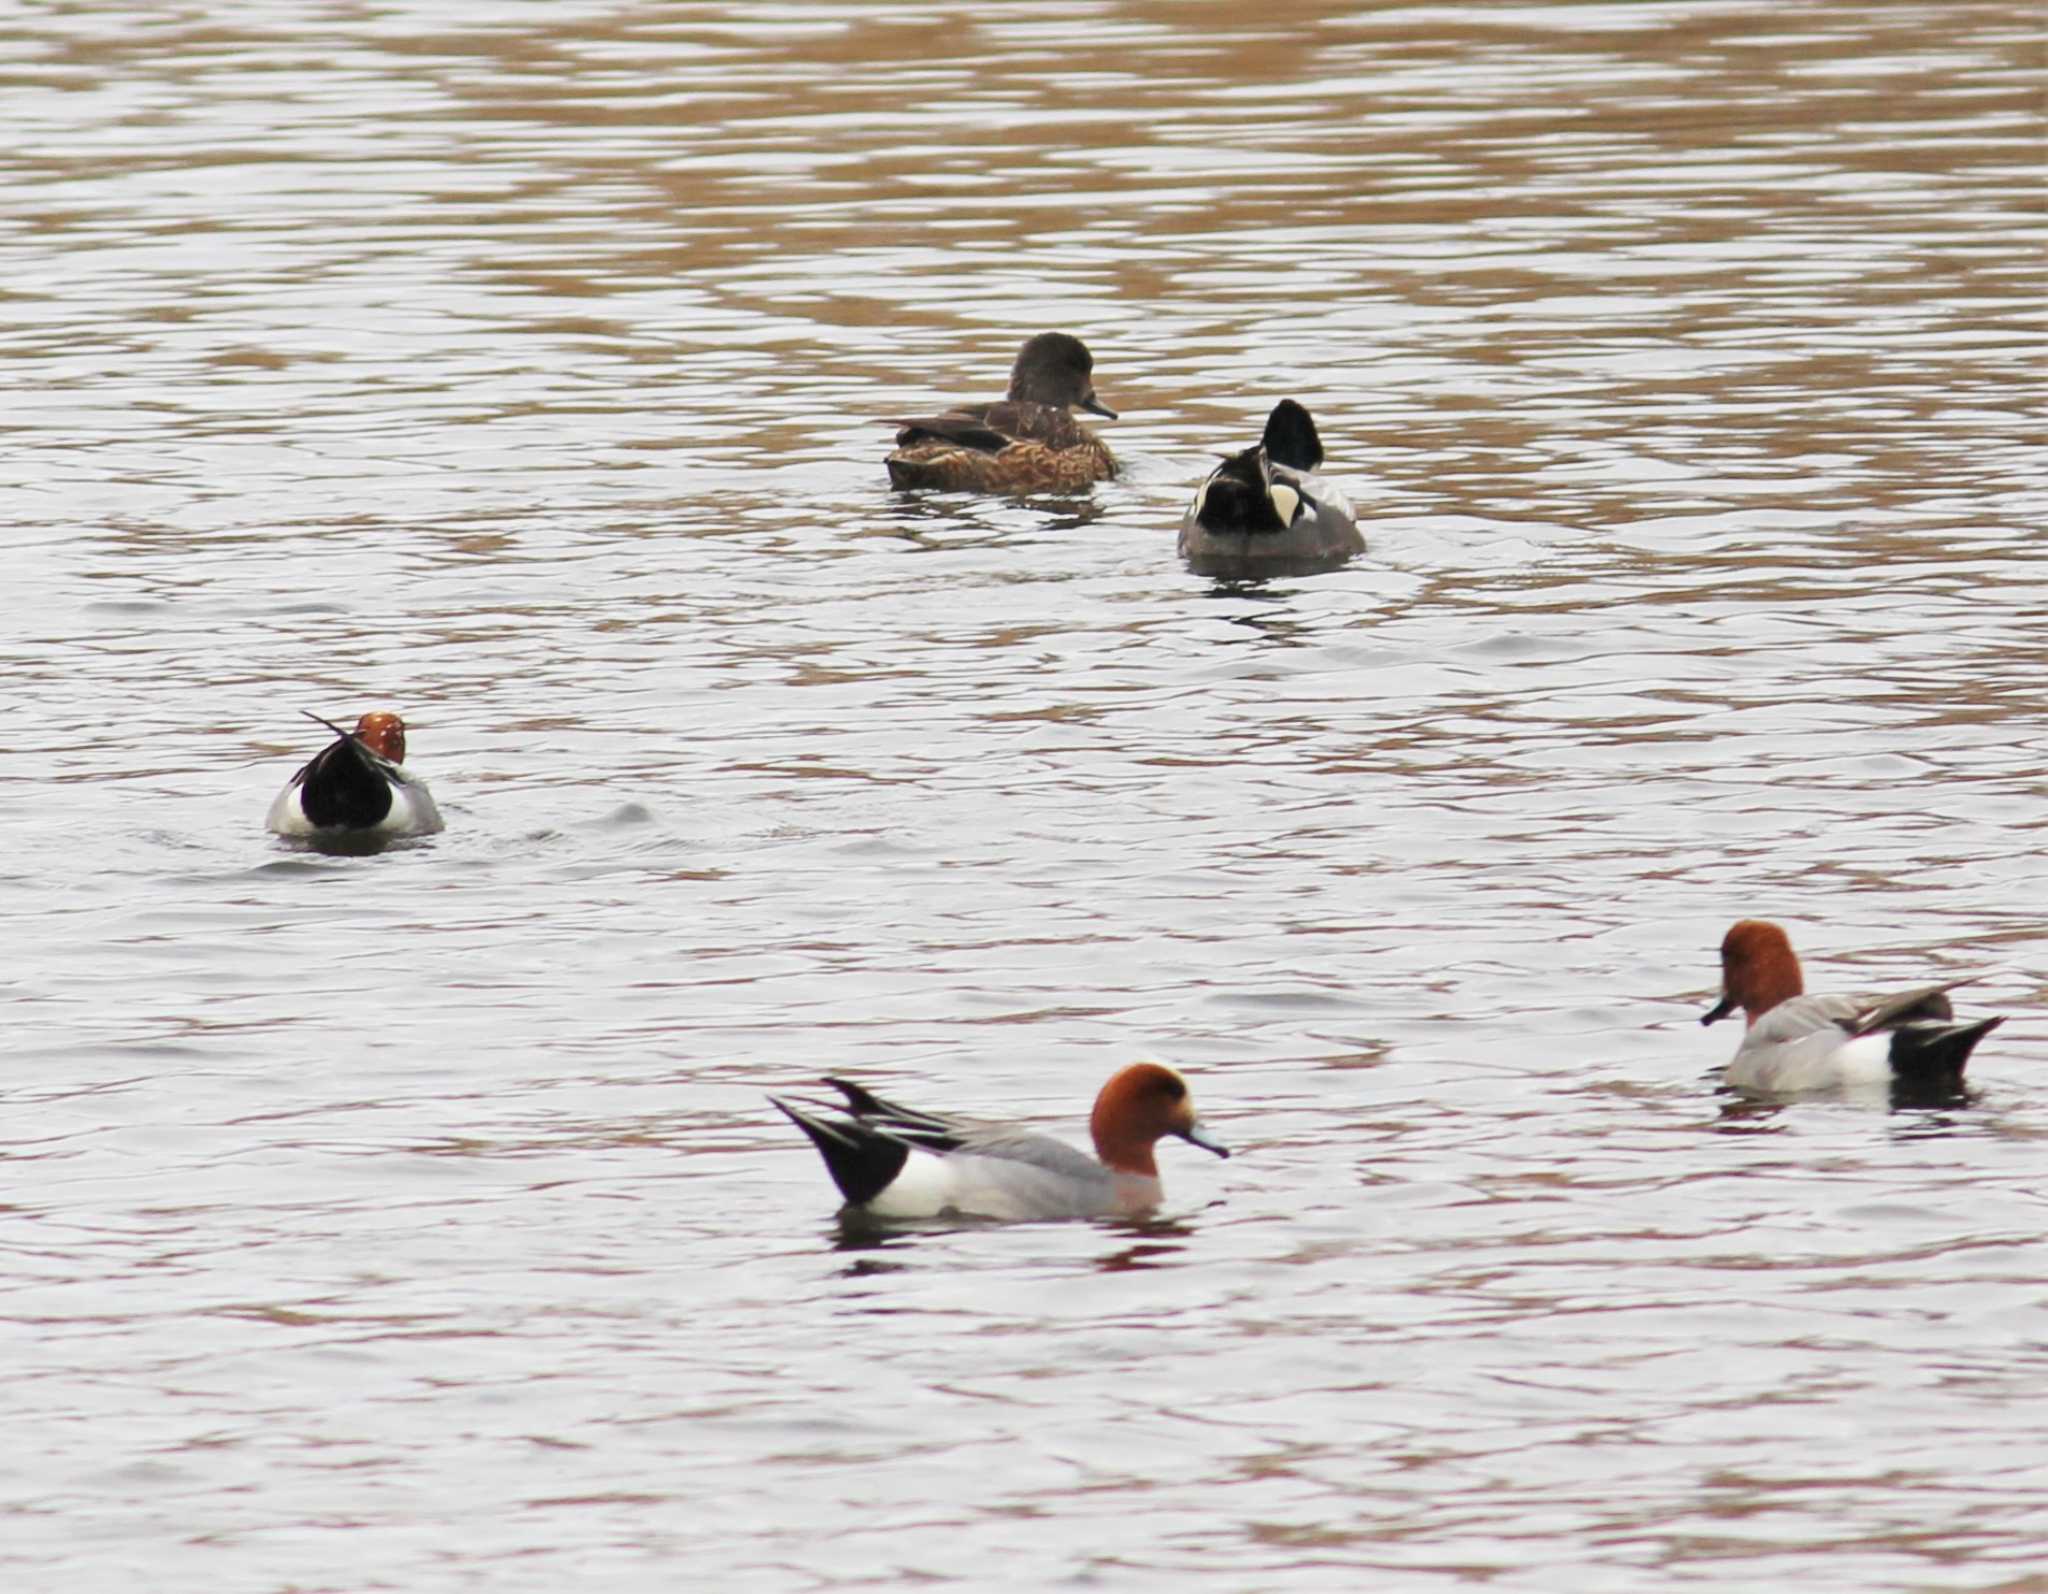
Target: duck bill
(1196, 1135)
(1095, 406)
(1719, 1010)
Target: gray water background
(417, 1222)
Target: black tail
(343, 786)
(862, 1163)
(1932, 1056)
(864, 1103)
(322, 719)
(1291, 438)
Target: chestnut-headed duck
(1026, 442)
(1796, 1042)
(898, 1162)
(357, 786)
(1265, 511)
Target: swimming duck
(1026, 442)
(1265, 509)
(357, 786)
(898, 1162)
(1796, 1042)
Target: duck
(891, 1161)
(1026, 442)
(357, 785)
(1265, 508)
(1795, 1042)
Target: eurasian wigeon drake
(898, 1162)
(1265, 510)
(1026, 442)
(357, 786)
(1796, 1042)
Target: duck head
(1139, 1105)
(1056, 368)
(1758, 971)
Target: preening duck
(357, 785)
(1265, 510)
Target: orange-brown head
(1138, 1105)
(383, 732)
(1758, 971)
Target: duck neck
(1121, 1151)
(1774, 980)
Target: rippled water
(418, 1222)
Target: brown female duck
(1026, 442)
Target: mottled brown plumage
(1025, 442)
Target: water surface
(418, 1221)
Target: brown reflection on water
(525, 367)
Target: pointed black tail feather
(864, 1103)
(859, 1098)
(1933, 1055)
(322, 719)
(862, 1162)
